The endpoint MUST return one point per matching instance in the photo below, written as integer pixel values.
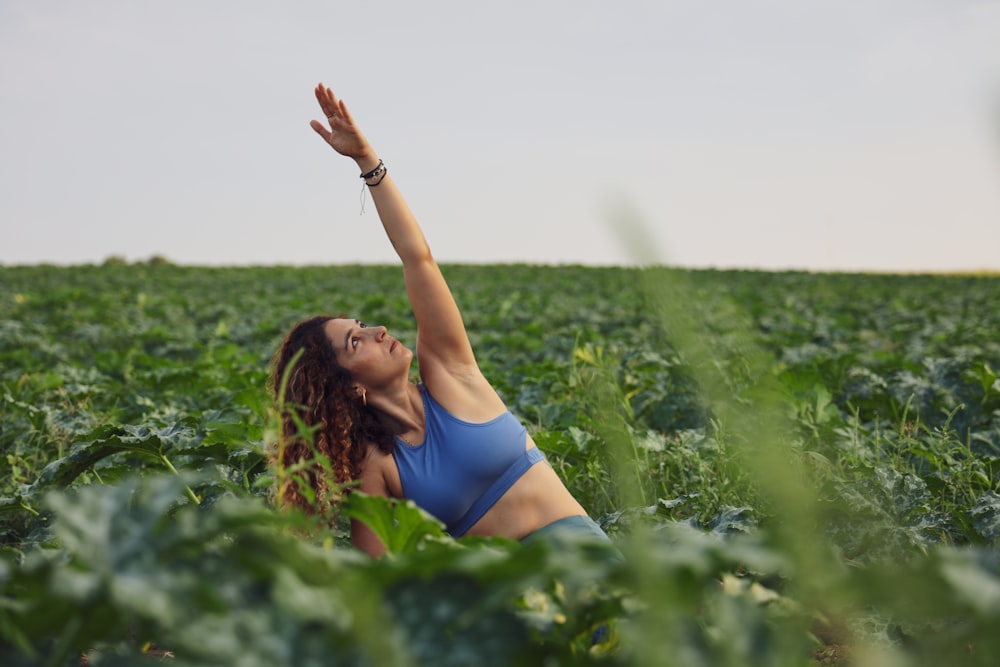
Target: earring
(364, 397)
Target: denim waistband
(575, 525)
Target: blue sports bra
(461, 469)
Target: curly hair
(320, 395)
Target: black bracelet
(379, 168)
(381, 175)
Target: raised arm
(443, 342)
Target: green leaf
(986, 515)
(400, 524)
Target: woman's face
(370, 354)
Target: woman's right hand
(343, 135)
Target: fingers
(328, 102)
(321, 131)
(342, 134)
(333, 108)
(344, 113)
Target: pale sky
(822, 135)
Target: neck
(401, 409)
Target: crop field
(799, 469)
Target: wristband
(379, 169)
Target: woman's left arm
(444, 343)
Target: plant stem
(170, 466)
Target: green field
(799, 468)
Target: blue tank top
(462, 469)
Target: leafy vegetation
(797, 468)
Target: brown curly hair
(319, 392)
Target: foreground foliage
(796, 468)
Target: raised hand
(343, 135)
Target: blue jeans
(575, 525)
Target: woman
(448, 443)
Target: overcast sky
(774, 134)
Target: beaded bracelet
(380, 175)
(379, 169)
(378, 172)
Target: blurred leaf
(401, 525)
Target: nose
(380, 333)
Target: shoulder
(468, 396)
